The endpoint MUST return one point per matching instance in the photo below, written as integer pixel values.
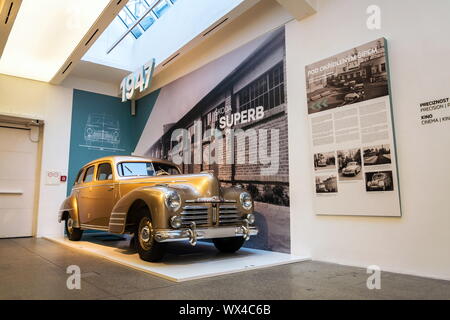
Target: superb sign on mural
(229, 145)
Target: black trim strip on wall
(9, 12)
(91, 37)
(8, 127)
(168, 61)
(215, 27)
(67, 67)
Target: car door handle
(110, 188)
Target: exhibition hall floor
(33, 268)
(182, 261)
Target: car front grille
(210, 215)
(197, 214)
(228, 214)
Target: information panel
(349, 108)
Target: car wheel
(74, 234)
(146, 245)
(228, 245)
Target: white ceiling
(44, 35)
(98, 72)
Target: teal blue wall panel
(144, 107)
(102, 126)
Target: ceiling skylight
(135, 9)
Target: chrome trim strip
(204, 233)
(209, 200)
(194, 213)
(98, 185)
(116, 224)
(118, 214)
(227, 206)
(62, 210)
(151, 184)
(195, 208)
(89, 226)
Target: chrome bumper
(192, 234)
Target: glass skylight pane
(125, 17)
(147, 22)
(136, 32)
(137, 8)
(161, 8)
(128, 20)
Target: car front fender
(153, 197)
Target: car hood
(192, 186)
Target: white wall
(417, 32)
(53, 104)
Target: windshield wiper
(128, 169)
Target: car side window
(104, 172)
(79, 176)
(89, 175)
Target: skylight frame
(153, 14)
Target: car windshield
(145, 169)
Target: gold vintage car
(152, 200)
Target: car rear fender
(69, 207)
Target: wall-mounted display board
(352, 138)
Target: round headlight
(251, 218)
(246, 200)
(173, 200)
(175, 222)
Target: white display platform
(182, 261)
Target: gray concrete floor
(36, 269)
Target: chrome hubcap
(145, 234)
(70, 225)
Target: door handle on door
(110, 188)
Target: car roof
(118, 159)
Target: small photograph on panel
(379, 181)
(349, 164)
(376, 155)
(332, 84)
(324, 161)
(326, 184)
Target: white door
(18, 157)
